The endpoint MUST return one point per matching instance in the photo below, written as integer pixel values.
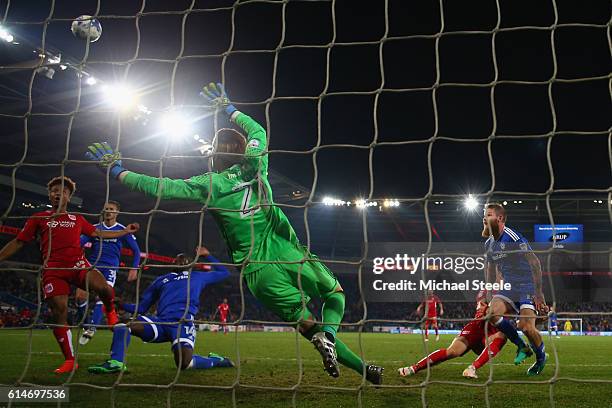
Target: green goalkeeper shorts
(276, 286)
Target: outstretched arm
(148, 298)
(255, 155)
(10, 249)
(193, 189)
(536, 271)
(130, 241)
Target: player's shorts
(277, 287)
(223, 320)
(519, 297)
(155, 332)
(56, 282)
(431, 320)
(474, 333)
(110, 275)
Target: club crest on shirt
(48, 288)
(72, 217)
(253, 143)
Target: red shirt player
(223, 309)
(430, 305)
(473, 337)
(64, 263)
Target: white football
(86, 28)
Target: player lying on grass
(508, 253)
(279, 271)
(105, 254)
(472, 337)
(177, 295)
(64, 263)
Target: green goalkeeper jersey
(240, 200)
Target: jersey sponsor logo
(62, 224)
(48, 288)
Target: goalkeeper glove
(104, 154)
(215, 95)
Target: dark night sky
(402, 113)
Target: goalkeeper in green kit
(257, 233)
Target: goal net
(389, 125)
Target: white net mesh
(253, 47)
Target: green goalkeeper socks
(332, 313)
(347, 358)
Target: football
(86, 28)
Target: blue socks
(80, 312)
(199, 362)
(96, 315)
(509, 330)
(539, 351)
(121, 340)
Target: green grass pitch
(269, 360)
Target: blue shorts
(184, 333)
(519, 297)
(110, 275)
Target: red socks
(488, 353)
(64, 339)
(434, 358)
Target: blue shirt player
(553, 324)
(105, 254)
(508, 254)
(177, 295)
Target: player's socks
(121, 340)
(200, 363)
(111, 315)
(96, 315)
(509, 330)
(490, 352)
(64, 339)
(80, 313)
(332, 314)
(345, 355)
(109, 309)
(348, 358)
(539, 351)
(213, 360)
(434, 358)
